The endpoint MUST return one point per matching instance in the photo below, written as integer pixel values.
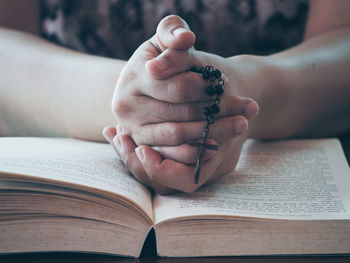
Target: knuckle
(182, 86)
(121, 107)
(145, 136)
(190, 112)
(175, 133)
(138, 136)
(177, 90)
(128, 80)
(128, 76)
(170, 134)
(169, 57)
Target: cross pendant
(214, 90)
(202, 146)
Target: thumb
(173, 32)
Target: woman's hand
(159, 102)
(162, 106)
(229, 132)
(166, 176)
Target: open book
(286, 197)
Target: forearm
(46, 90)
(307, 89)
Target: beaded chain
(214, 91)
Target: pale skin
(298, 91)
(303, 91)
(58, 92)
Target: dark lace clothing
(115, 28)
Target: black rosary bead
(206, 74)
(215, 108)
(217, 73)
(197, 70)
(210, 91)
(210, 68)
(215, 87)
(207, 111)
(219, 90)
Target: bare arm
(308, 91)
(46, 90)
(303, 91)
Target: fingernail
(251, 109)
(106, 135)
(177, 32)
(118, 144)
(139, 154)
(240, 126)
(119, 129)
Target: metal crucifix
(214, 90)
(202, 146)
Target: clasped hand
(158, 107)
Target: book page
(294, 179)
(69, 161)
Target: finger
(126, 148)
(185, 153)
(173, 174)
(171, 62)
(174, 32)
(176, 133)
(109, 132)
(180, 88)
(170, 112)
(166, 172)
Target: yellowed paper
(88, 164)
(295, 179)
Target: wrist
(259, 78)
(91, 110)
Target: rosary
(214, 91)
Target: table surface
(149, 254)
